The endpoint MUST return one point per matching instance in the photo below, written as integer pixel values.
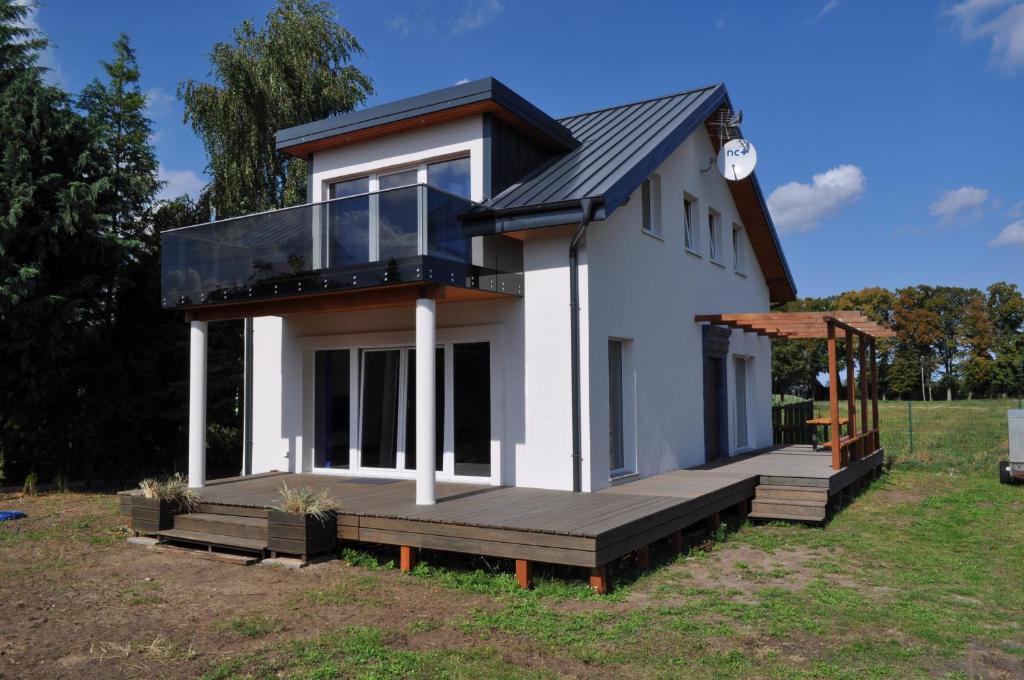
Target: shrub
(31, 486)
(306, 501)
(173, 489)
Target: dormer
(486, 136)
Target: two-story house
(476, 291)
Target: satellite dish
(737, 159)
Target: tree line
(93, 374)
(951, 343)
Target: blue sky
(890, 135)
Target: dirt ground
(77, 601)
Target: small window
(688, 236)
(714, 237)
(650, 202)
(738, 254)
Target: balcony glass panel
(357, 239)
(348, 224)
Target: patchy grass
(254, 626)
(363, 652)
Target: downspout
(587, 205)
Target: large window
(616, 440)
(740, 371)
(381, 218)
(332, 438)
(472, 422)
(381, 405)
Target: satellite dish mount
(736, 156)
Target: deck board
(585, 529)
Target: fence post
(910, 425)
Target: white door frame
(404, 340)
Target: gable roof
(458, 101)
(619, 148)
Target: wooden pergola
(828, 326)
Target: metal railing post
(910, 424)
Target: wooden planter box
(300, 534)
(150, 515)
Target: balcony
(412, 234)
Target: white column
(425, 406)
(197, 405)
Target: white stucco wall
(646, 290)
(633, 287)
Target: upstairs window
(650, 202)
(452, 176)
(738, 254)
(714, 237)
(688, 235)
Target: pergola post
(197, 404)
(833, 397)
(863, 367)
(851, 391)
(874, 398)
(426, 333)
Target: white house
(554, 267)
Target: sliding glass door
(381, 405)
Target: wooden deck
(586, 530)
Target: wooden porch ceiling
(799, 325)
(379, 297)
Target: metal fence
(948, 435)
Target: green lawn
(919, 577)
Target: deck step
(223, 525)
(218, 540)
(779, 515)
(794, 493)
(810, 510)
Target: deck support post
(642, 555)
(407, 558)
(426, 332)
(877, 444)
(524, 574)
(197, 404)
(599, 581)
(715, 521)
(677, 542)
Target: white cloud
(1011, 235)
(1000, 21)
(474, 14)
(798, 207)
(48, 56)
(1016, 210)
(828, 7)
(179, 182)
(158, 102)
(462, 81)
(955, 202)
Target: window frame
(691, 236)
(650, 206)
(714, 223)
(739, 251)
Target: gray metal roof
(473, 92)
(619, 148)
